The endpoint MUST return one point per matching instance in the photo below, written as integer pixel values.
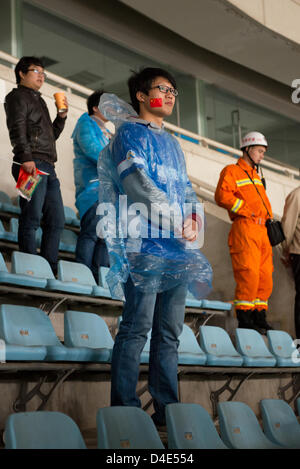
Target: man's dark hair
(93, 100)
(142, 81)
(24, 64)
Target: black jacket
(32, 134)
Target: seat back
(30, 264)
(75, 272)
(250, 343)
(280, 423)
(188, 342)
(239, 427)
(42, 430)
(86, 330)
(216, 341)
(102, 277)
(69, 214)
(27, 326)
(14, 225)
(3, 266)
(69, 238)
(126, 427)
(190, 426)
(281, 345)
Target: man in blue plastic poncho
(90, 136)
(145, 166)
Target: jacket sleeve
(89, 142)
(16, 117)
(58, 125)
(226, 195)
(290, 218)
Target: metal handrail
(204, 141)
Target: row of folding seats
(7, 206)
(29, 335)
(189, 426)
(67, 243)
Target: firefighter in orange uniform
(241, 191)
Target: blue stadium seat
(216, 305)
(68, 241)
(192, 302)
(217, 345)
(25, 280)
(190, 426)
(280, 423)
(89, 331)
(240, 429)
(35, 267)
(251, 346)
(7, 235)
(126, 428)
(6, 204)
(27, 327)
(42, 430)
(14, 227)
(72, 277)
(189, 351)
(283, 348)
(70, 216)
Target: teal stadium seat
(89, 331)
(252, 347)
(240, 429)
(70, 216)
(7, 235)
(126, 428)
(6, 204)
(28, 327)
(189, 351)
(103, 289)
(14, 227)
(42, 430)
(72, 277)
(216, 305)
(283, 348)
(68, 241)
(34, 268)
(191, 301)
(280, 423)
(217, 345)
(18, 280)
(190, 426)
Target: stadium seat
(126, 428)
(89, 331)
(34, 268)
(190, 426)
(70, 217)
(252, 347)
(25, 280)
(28, 327)
(72, 277)
(280, 423)
(42, 430)
(7, 235)
(192, 302)
(240, 429)
(217, 345)
(68, 241)
(6, 204)
(14, 227)
(283, 348)
(216, 305)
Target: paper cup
(59, 99)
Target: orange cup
(59, 99)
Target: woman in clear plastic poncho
(143, 171)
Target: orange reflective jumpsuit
(250, 248)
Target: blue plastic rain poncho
(144, 167)
(89, 138)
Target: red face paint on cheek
(156, 102)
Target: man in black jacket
(33, 136)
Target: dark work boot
(246, 321)
(260, 320)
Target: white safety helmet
(254, 138)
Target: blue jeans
(164, 312)
(45, 209)
(91, 250)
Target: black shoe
(260, 320)
(246, 320)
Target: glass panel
(5, 26)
